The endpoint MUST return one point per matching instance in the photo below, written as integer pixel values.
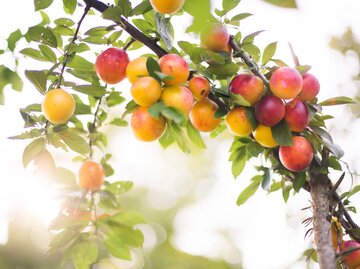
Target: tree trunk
(322, 226)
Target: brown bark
(322, 227)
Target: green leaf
(249, 191)
(91, 90)
(26, 135)
(108, 200)
(282, 134)
(7, 76)
(128, 218)
(35, 54)
(42, 4)
(64, 21)
(78, 62)
(173, 114)
(178, 135)
(238, 158)
(125, 6)
(42, 35)
(113, 13)
(268, 53)
(62, 239)
(119, 122)
(141, 8)
(74, 141)
(194, 135)
(38, 79)
(63, 30)
(223, 71)
(45, 19)
(250, 38)
(69, 6)
(117, 248)
(48, 53)
(334, 164)
(13, 38)
(65, 176)
(84, 254)
(340, 100)
(283, 3)
(152, 66)
(212, 57)
(32, 150)
(166, 139)
(99, 30)
(355, 190)
(155, 109)
(241, 16)
(253, 50)
(254, 149)
(265, 182)
(230, 4)
(303, 68)
(238, 99)
(299, 180)
(120, 187)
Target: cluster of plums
(289, 92)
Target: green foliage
(283, 3)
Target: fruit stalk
(130, 29)
(319, 190)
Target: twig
(93, 129)
(248, 61)
(75, 37)
(130, 29)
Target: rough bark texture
(322, 226)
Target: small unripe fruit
(179, 97)
(167, 6)
(146, 91)
(91, 175)
(111, 65)
(58, 106)
(352, 260)
(202, 115)
(238, 123)
(174, 66)
(200, 87)
(286, 82)
(137, 69)
(298, 156)
(270, 110)
(263, 135)
(296, 115)
(145, 127)
(310, 88)
(250, 87)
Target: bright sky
(265, 233)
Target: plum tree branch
(130, 29)
(247, 60)
(75, 37)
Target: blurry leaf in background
(283, 3)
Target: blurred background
(189, 200)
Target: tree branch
(248, 61)
(130, 29)
(322, 227)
